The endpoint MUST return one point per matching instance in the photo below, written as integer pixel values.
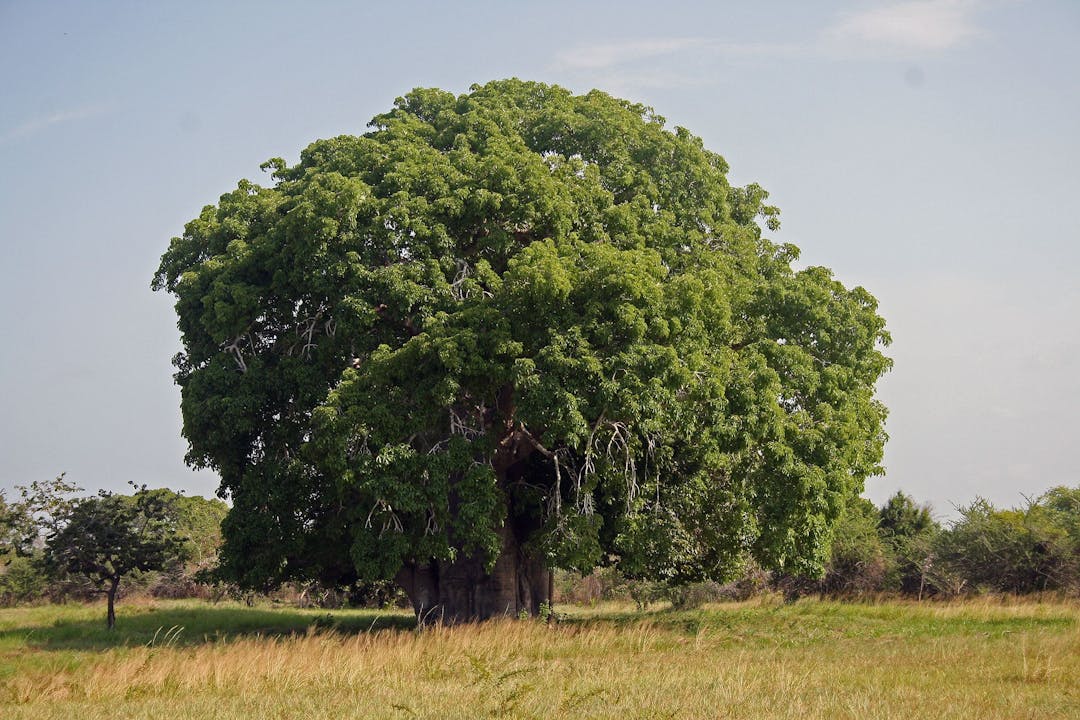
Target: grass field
(763, 659)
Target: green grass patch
(762, 659)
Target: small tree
(901, 517)
(16, 583)
(42, 506)
(908, 530)
(105, 537)
(24, 524)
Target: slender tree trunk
(551, 595)
(114, 583)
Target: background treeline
(900, 549)
(55, 545)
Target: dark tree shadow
(189, 625)
(194, 625)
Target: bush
(860, 561)
(603, 583)
(694, 595)
(1030, 549)
(21, 580)
(646, 592)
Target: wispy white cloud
(631, 65)
(919, 25)
(615, 54)
(886, 30)
(41, 123)
(606, 55)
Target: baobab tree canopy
(511, 330)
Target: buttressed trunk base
(463, 590)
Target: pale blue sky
(927, 150)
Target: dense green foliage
(518, 307)
(198, 525)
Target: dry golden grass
(752, 660)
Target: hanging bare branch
(558, 488)
(238, 355)
(391, 521)
(457, 287)
(356, 445)
(590, 445)
(459, 425)
(620, 440)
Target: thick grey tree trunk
(464, 591)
